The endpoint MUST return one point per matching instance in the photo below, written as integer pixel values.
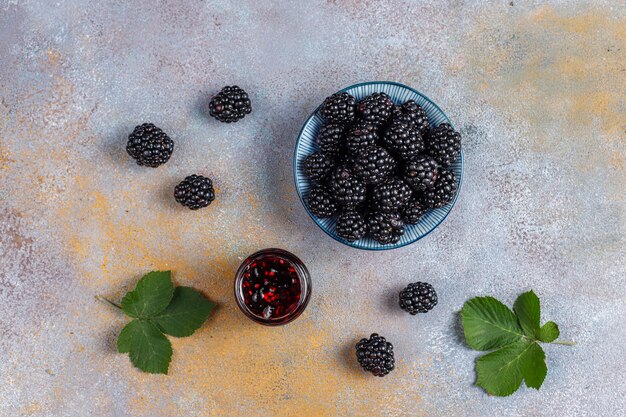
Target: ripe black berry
(421, 173)
(385, 228)
(444, 144)
(403, 140)
(376, 108)
(391, 195)
(347, 189)
(338, 108)
(418, 297)
(195, 192)
(375, 355)
(321, 202)
(373, 164)
(351, 226)
(360, 136)
(230, 104)
(149, 145)
(330, 138)
(318, 166)
(443, 191)
(414, 115)
(413, 211)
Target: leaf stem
(563, 342)
(106, 300)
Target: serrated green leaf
(528, 311)
(149, 349)
(549, 332)
(534, 366)
(185, 313)
(151, 295)
(125, 339)
(500, 372)
(489, 324)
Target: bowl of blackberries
(378, 165)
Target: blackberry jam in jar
(272, 287)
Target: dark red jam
(271, 287)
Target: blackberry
(418, 297)
(321, 202)
(414, 115)
(391, 195)
(375, 355)
(373, 164)
(149, 145)
(403, 140)
(421, 173)
(376, 108)
(360, 136)
(195, 192)
(347, 189)
(385, 228)
(230, 104)
(413, 211)
(330, 137)
(351, 226)
(339, 108)
(443, 191)
(318, 165)
(444, 144)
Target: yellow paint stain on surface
(550, 67)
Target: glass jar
(272, 287)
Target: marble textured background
(536, 89)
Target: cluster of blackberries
(376, 354)
(151, 147)
(380, 166)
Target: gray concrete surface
(536, 89)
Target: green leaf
(549, 332)
(534, 366)
(500, 372)
(528, 313)
(149, 349)
(185, 314)
(489, 324)
(151, 295)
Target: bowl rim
(379, 247)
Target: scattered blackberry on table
(443, 191)
(330, 138)
(444, 144)
(413, 211)
(347, 189)
(375, 355)
(421, 173)
(418, 297)
(414, 115)
(195, 192)
(351, 226)
(339, 108)
(375, 108)
(230, 105)
(149, 145)
(391, 195)
(360, 136)
(318, 166)
(321, 202)
(373, 164)
(403, 140)
(385, 228)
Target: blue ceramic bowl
(306, 144)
